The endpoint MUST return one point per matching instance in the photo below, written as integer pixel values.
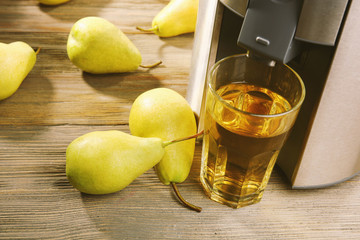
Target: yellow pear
(17, 59)
(177, 17)
(164, 113)
(104, 162)
(52, 2)
(95, 45)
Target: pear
(52, 2)
(97, 46)
(164, 113)
(17, 59)
(176, 18)
(103, 162)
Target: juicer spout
(269, 29)
(261, 58)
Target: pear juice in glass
(250, 109)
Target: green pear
(97, 46)
(176, 18)
(164, 113)
(17, 59)
(52, 2)
(104, 162)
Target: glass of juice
(250, 109)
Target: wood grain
(57, 103)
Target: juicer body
(319, 43)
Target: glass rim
(294, 108)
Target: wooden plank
(37, 200)
(57, 92)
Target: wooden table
(57, 103)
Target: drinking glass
(250, 109)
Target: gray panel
(320, 21)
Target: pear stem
(147, 30)
(167, 143)
(187, 204)
(37, 50)
(151, 65)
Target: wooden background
(57, 103)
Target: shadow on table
(123, 85)
(29, 106)
(147, 209)
(76, 7)
(177, 42)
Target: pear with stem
(176, 18)
(164, 113)
(97, 46)
(103, 162)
